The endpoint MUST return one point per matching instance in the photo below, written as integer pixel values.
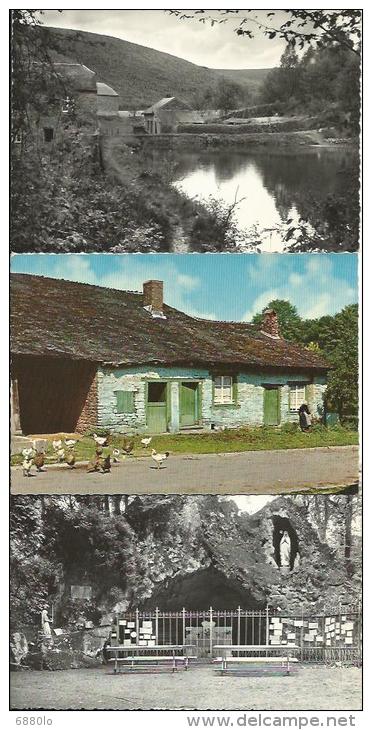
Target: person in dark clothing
(305, 417)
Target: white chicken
(61, 455)
(100, 440)
(57, 444)
(27, 453)
(159, 458)
(116, 456)
(26, 466)
(70, 443)
(146, 442)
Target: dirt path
(180, 242)
(312, 688)
(253, 472)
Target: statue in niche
(285, 553)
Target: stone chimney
(270, 324)
(153, 298)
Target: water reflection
(275, 185)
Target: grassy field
(230, 440)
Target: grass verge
(230, 440)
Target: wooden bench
(282, 663)
(170, 655)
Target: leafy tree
(61, 199)
(34, 79)
(281, 84)
(299, 28)
(32, 576)
(336, 339)
(342, 351)
(228, 95)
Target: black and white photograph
(180, 131)
(186, 602)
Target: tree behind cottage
(336, 338)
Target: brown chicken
(128, 446)
(70, 459)
(105, 464)
(39, 460)
(94, 464)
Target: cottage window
(223, 389)
(297, 395)
(67, 105)
(124, 401)
(48, 134)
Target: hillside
(141, 75)
(250, 78)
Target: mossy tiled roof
(57, 318)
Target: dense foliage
(63, 201)
(323, 81)
(60, 198)
(54, 539)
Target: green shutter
(124, 401)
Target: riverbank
(222, 135)
(189, 224)
(203, 217)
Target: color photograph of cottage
(127, 361)
(112, 363)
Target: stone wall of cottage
(89, 412)
(86, 107)
(114, 126)
(248, 410)
(107, 104)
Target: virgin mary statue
(285, 551)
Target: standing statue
(45, 623)
(285, 552)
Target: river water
(275, 184)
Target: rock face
(18, 649)
(195, 552)
(201, 551)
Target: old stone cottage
(82, 102)
(86, 356)
(167, 114)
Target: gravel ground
(311, 688)
(255, 472)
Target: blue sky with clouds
(215, 286)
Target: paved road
(255, 472)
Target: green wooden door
(157, 421)
(271, 407)
(188, 404)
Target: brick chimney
(153, 297)
(270, 324)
